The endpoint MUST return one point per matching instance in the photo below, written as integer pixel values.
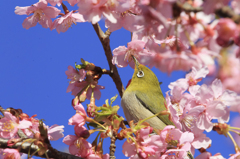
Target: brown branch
(104, 38)
(113, 146)
(24, 148)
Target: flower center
(8, 126)
(37, 16)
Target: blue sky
(33, 64)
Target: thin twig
(104, 38)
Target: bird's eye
(140, 74)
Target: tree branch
(113, 146)
(104, 38)
(24, 148)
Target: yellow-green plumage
(143, 98)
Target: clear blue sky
(33, 64)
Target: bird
(143, 98)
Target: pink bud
(226, 29)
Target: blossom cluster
(14, 121)
(170, 35)
(78, 145)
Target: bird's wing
(155, 105)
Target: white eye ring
(140, 74)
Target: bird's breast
(134, 110)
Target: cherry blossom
(93, 10)
(9, 125)
(179, 141)
(80, 117)
(191, 78)
(41, 13)
(55, 132)
(77, 87)
(227, 30)
(11, 154)
(147, 145)
(78, 146)
(75, 75)
(63, 23)
(122, 56)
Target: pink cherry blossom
(75, 75)
(191, 78)
(226, 29)
(11, 154)
(41, 13)
(9, 125)
(33, 128)
(147, 145)
(63, 23)
(78, 146)
(200, 139)
(214, 109)
(93, 10)
(55, 132)
(122, 56)
(81, 131)
(174, 137)
(80, 117)
(77, 87)
(124, 20)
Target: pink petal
(46, 22)
(136, 45)
(51, 12)
(128, 149)
(217, 88)
(201, 141)
(70, 139)
(77, 119)
(216, 109)
(41, 4)
(73, 149)
(24, 124)
(186, 137)
(110, 17)
(78, 17)
(21, 10)
(29, 22)
(55, 132)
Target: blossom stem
(238, 133)
(236, 128)
(234, 143)
(98, 124)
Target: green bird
(143, 98)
